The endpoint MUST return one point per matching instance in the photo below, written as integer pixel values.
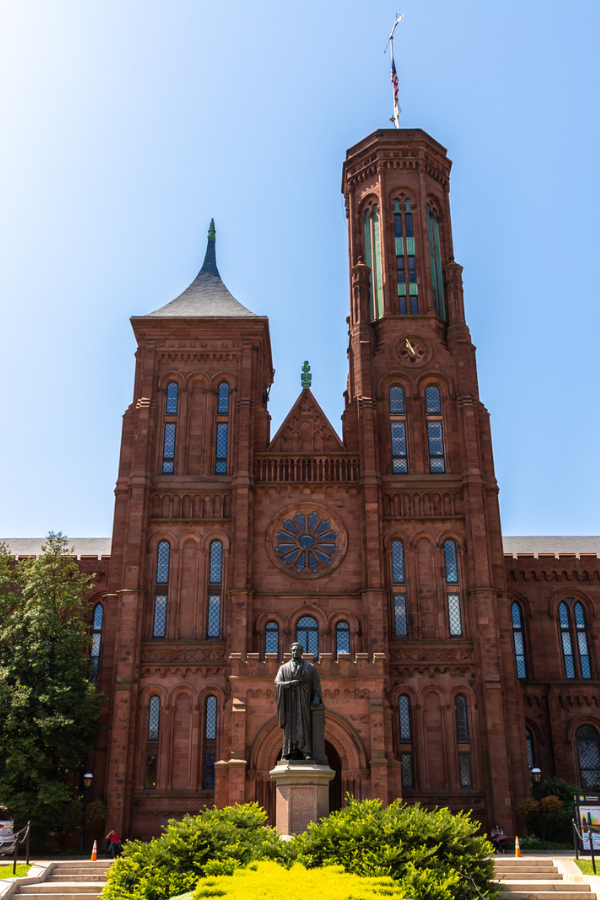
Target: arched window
(435, 429)
(530, 748)
(398, 430)
(342, 638)
(307, 634)
(451, 575)
(463, 741)
(406, 750)
(161, 591)
(97, 622)
(170, 432)
(399, 590)
(566, 640)
(435, 262)
(373, 260)
(172, 398)
(406, 268)
(222, 434)
(519, 639)
(588, 755)
(210, 744)
(215, 590)
(582, 641)
(272, 638)
(152, 738)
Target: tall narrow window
(152, 737)
(435, 262)
(406, 750)
(566, 639)
(519, 639)
(435, 429)
(210, 744)
(342, 638)
(582, 641)
(215, 588)
(170, 431)
(406, 267)
(588, 755)
(398, 430)
(272, 638)
(399, 590)
(97, 622)
(307, 634)
(373, 260)
(463, 741)
(222, 434)
(159, 625)
(530, 748)
(451, 562)
(455, 625)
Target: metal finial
(306, 377)
(212, 234)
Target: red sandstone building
(449, 665)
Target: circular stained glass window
(306, 543)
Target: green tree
(48, 708)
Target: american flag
(395, 83)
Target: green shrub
(190, 849)
(550, 817)
(271, 881)
(425, 851)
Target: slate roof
(548, 544)
(206, 296)
(82, 546)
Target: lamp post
(536, 784)
(87, 783)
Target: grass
(7, 871)
(586, 866)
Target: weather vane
(306, 377)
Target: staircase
(73, 880)
(536, 879)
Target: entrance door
(335, 785)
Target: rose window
(306, 543)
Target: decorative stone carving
(307, 541)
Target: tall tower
(434, 575)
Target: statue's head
(297, 651)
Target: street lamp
(536, 780)
(87, 783)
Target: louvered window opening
(222, 429)
(372, 237)
(398, 430)
(152, 740)
(163, 564)
(210, 744)
(406, 267)
(215, 590)
(272, 638)
(97, 624)
(342, 638)
(435, 430)
(307, 634)
(435, 261)
(519, 639)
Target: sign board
(587, 816)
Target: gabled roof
(569, 544)
(82, 546)
(306, 424)
(206, 296)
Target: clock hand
(410, 347)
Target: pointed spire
(306, 377)
(209, 266)
(212, 234)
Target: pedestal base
(302, 794)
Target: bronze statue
(297, 689)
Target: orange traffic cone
(95, 851)
(517, 849)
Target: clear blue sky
(127, 124)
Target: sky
(128, 124)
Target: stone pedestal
(302, 794)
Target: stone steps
(523, 879)
(77, 880)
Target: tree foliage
(48, 708)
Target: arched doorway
(335, 785)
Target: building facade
(450, 664)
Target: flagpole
(396, 106)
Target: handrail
(20, 840)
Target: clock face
(412, 350)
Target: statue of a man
(297, 688)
